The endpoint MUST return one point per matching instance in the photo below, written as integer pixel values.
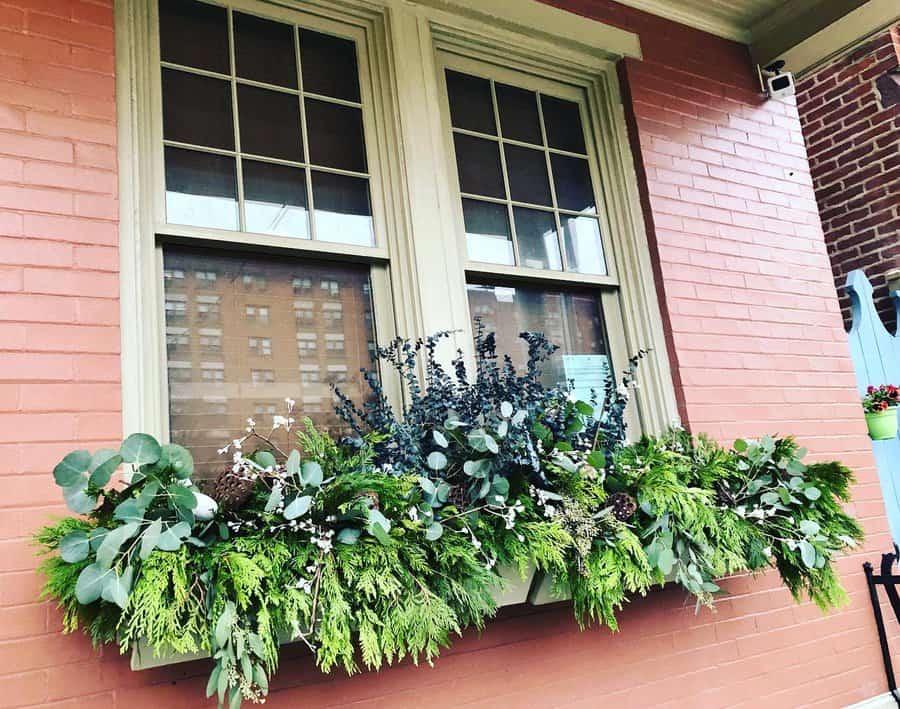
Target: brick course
(853, 140)
(755, 341)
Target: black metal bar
(889, 581)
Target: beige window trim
(425, 38)
(417, 263)
(143, 229)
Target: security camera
(774, 81)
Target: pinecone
(623, 505)
(231, 491)
(372, 497)
(458, 497)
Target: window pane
(584, 247)
(335, 135)
(201, 189)
(471, 105)
(478, 165)
(275, 199)
(197, 110)
(487, 232)
(537, 239)
(526, 170)
(250, 358)
(572, 180)
(329, 65)
(270, 123)
(518, 114)
(264, 50)
(343, 212)
(563, 122)
(194, 34)
(573, 320)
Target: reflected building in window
(266, 344)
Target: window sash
(344, 28)
(453, 61)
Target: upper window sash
(373, 151)
(550, 204)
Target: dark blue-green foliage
(498, 422)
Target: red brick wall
(756, 344)
(854, 154)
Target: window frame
(629, 298)
(146, 233)
(417, 265)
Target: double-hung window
(265, 138)
(305, 179)
(532, 217)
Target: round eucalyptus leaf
(103, 465)
(298, 507)
(809, 527)
(264, 459)
(311, 474)
(117, 588)
(181, 496)
(666, 561)
(812, 493)
(150, 537)
(437, 460)
(89, 585)
(140, 449)
(434, 531)
(78, 500)
(506, 409)
(293, 463)
(808, 554)
(440, 438)
(180, 461)
(348, 535)
(70, 469)
(427, 486)
(74, 547)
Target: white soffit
(731, 19)
(841, 34)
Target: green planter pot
(882, 425)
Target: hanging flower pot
(880, 404)
(882, 424)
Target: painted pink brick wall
(755, 343)
(854, 154)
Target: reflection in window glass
(264, 50)
(343, 212)
(275, 199)
(471, 106)
(329, 65)
(537, 238)
(194, 34)
(201, 189)
(218, 377)
(197, 110)
(584, 249)
(487, 232)
(570, 319)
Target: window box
(517, 590)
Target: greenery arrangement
(383, 545)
